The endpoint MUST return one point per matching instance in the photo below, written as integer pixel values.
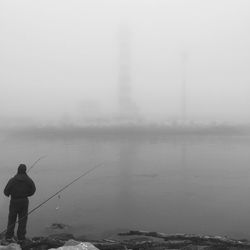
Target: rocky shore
(138, 240)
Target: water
(179, 184)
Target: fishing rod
(40, 158)
(52, 196)
(63, 188)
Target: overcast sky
(61, 58)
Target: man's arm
(32, 188)
(7, 189)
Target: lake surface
(179, 184)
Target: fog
(65, 60)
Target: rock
(57, 227)
(62, 236)
(80, 246)
(191, 241)
(190, 247)
(12, 246)
(72, 243)
(178, 243)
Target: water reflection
(126, 200)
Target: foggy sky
(60, 59)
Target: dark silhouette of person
(19, 188)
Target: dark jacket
(20, 186)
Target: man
(19, 188)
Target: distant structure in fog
(183, 88)
(127, 107)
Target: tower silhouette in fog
(127, 107)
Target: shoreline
(140, 240)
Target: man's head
(21, 169)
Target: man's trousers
(18, 208)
